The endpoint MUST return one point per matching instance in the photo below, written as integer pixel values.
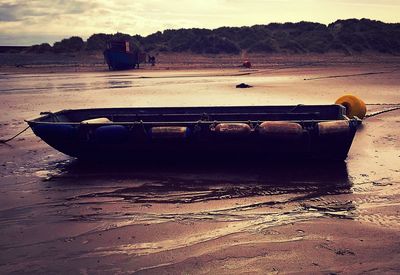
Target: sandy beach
(57, 214)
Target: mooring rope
(7, 140)
(382, 112)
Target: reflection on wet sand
(206, 181)
(97, 199)
(270, 185)
(248, 198)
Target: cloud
(8, 12)
(20, 10)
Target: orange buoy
(355, 107)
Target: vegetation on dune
(347, 36)
(72, 44)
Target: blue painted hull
(118, 60)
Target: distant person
(153, 61)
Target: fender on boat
(169, 132)
(280, 129)
(100, 120)
(333, 127)
(233, 129)
(111, 134)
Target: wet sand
(60, 215)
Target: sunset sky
(26, 22)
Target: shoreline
(81, 62)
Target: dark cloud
(75, 6)
(21, 10)
(8, 12)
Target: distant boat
(119, 56)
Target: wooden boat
(240, 133)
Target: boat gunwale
(37, 120)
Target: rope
(7, 140)
(382, 104)
(382, 112)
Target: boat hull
(117, 60)
(172, 133)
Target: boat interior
(203, 114)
